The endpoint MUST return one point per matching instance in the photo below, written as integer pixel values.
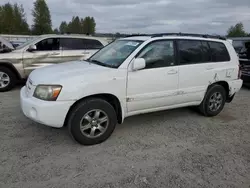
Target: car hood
(6, 43)
(9, 54)
(56, 74)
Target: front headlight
(47, 92)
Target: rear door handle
(209, 68)
(86, 53)
(172, 71)
(55, 53)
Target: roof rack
(189, 34)
(137, 35)
(179, 34)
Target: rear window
(218, 52)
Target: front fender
(17, 68)
(115, 86)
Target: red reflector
(239, 73)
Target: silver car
(17, 63)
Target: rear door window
(206, 51)
(80, 43)
(191, 52)
(72, 44)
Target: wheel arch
(110, 98)
(225, 85)
(12, 68)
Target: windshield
(27, 43)
(115, 53)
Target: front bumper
(50, 113)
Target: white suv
(130, 76)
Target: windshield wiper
(100, 63)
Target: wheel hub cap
(215, 101)
(94, 123)
(4, 79)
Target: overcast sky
(150, 16)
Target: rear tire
(7, 79)
(214, 101)
(92, 121)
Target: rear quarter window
(219, 52)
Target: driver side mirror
(138, 63)
(32, 48)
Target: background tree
(74, 26)
(13, 19)
(63, 28)
(19, 20)
(236, 31)
(89, 25)
(79, 25)
(41, 18)
(6, 19)
(56, 31)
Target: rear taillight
(239, 72)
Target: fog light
(33, 113)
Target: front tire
(214, 101)
(7, 79)
(92, 121)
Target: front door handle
(172, 71)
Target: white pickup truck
(131, 76)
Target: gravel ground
(176, 148)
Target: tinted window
(92, 44)
(219, 52)
(78, 44)
(48, 44)
(192, 51)
(206, 51)
(72, 44)
(158, 54)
